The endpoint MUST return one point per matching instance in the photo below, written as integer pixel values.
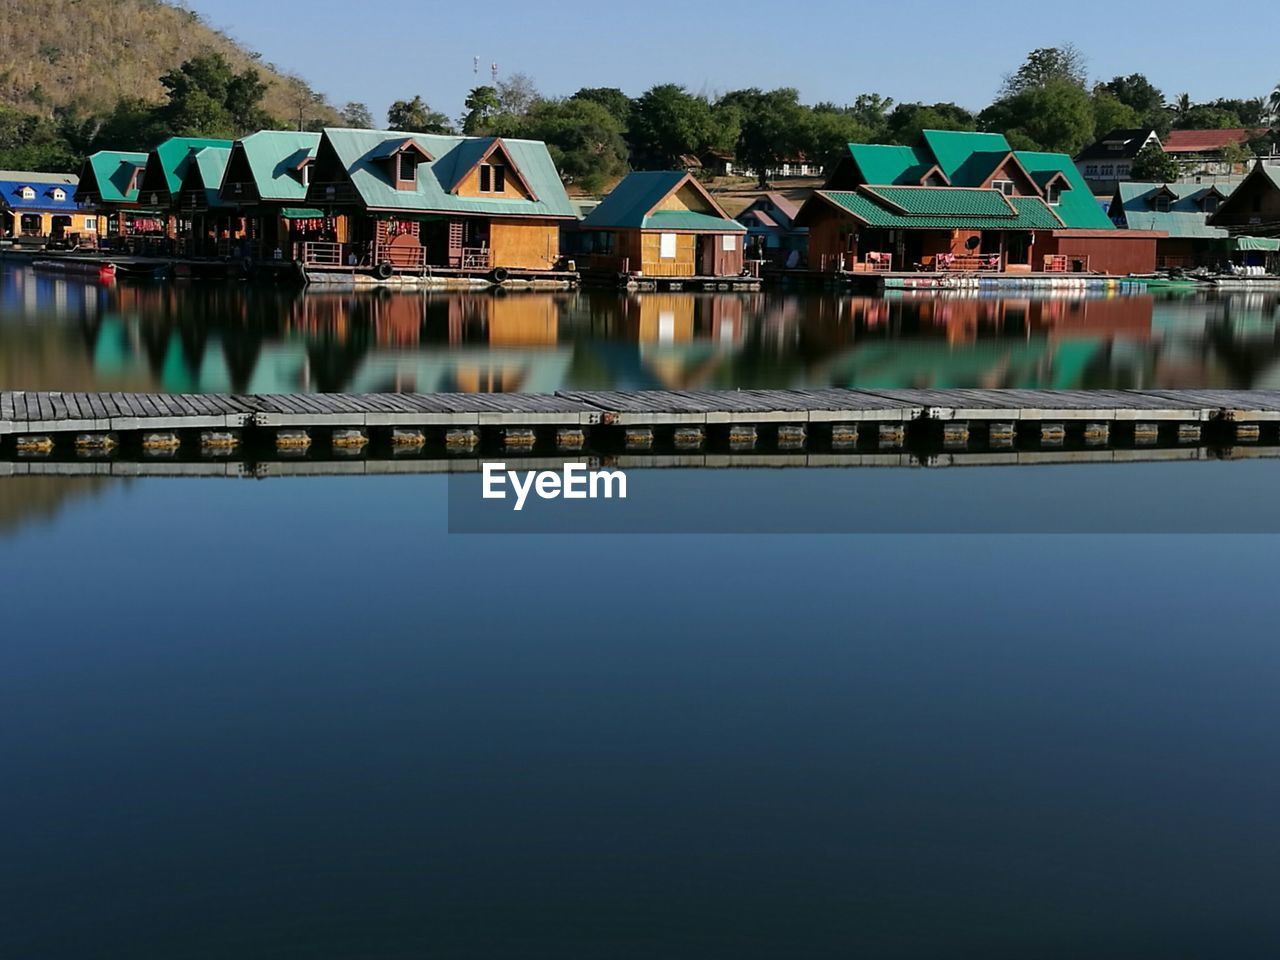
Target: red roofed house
(1210, 152)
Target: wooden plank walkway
(30, 412)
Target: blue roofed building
(42, 206)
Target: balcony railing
(475, 258)
(318, 254)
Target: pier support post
(791, 437)
(1188, 433)
(1097, 434)
(1001, 435)
(218, 443)
(95, 444)
(1146, 434)
(571, 438)
(742, 437)
(519, 438)
(892, 435)
(461, 440)
(955, 434)
(34, 445)
(160, 444)
(407, 440)
(349, 441)
(1052, 434)
(844, 435)
(689, 438)
(1248, 432)
(638, 438)
(293, 441)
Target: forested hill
(88, 54)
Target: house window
(493, 178)
(28, 193)
(408, 168)
(1053, 193)
(59, 194)
(90, 224)
(729, 242)
(306, 175)
(1122, 169)
(1162, 204)
(1091, 170)
(1004, 186)
(667, 246)
(1108, 170)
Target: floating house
(662, 224)
(434, 204)
(1208, 153)
(771, 231)
(42, 207)
(207, 224)
(110, 181)
(1181, 211)
(968, 202)
(1251, 216)
(266, 181)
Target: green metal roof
(356, 148)
(112, 173)
(889, 164)
(946, 201)
(274, 157)
(1185, 219)
(954, 151)
(629, 203)
(211, 164)
(173, 157)
(1078, 208)
(1022, 213)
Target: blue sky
(829, 50)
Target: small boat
(105, 272)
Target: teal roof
(630, 203)
(1077, 208)
(1020, 213)
(211, 164)
(889, 164)
(954, 151)
(1185, 219)
(111, 172)
(356, 150)
(944, 201)
(274, 157)
(173, 157)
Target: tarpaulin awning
(302, 213)
(1257, 243)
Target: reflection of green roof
(1186, 219)
(629, 204)
(111, 172)
(1077, 207)
(356, 151)
(274, 157)
(950, 208)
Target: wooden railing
(315, 253)
(871, 263)
(475, 258)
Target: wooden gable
(1252, 204)
(495, 174)
(1010, 170)
(330, 179)
(689, 196)
(238, 183)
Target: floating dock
(929, 425)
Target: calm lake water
(299, 719)
(66, 333)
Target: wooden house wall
(527, 244)
(1118, 255)
(653, 265)
(828, 237)
(470, 187)
(1253, 203)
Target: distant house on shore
(1253, 208)
(964, 201)
(42, 206)
(1109, 159)
(771, 231)
(662, 224)
(1211, 153)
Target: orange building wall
(530, 245)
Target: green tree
(206, 97)
(1044, 67)
(831, 130)
(482, 105)
(907, 121)
(1202, 116)
(1057, 116)
(612, 99)
(772, 127)
(669, 122)
(517, 94)
(1153, 165)
(1139, 93)
(584, 138)
(872, 111)
(357, 115)
(416, 116)
(1111, 113)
